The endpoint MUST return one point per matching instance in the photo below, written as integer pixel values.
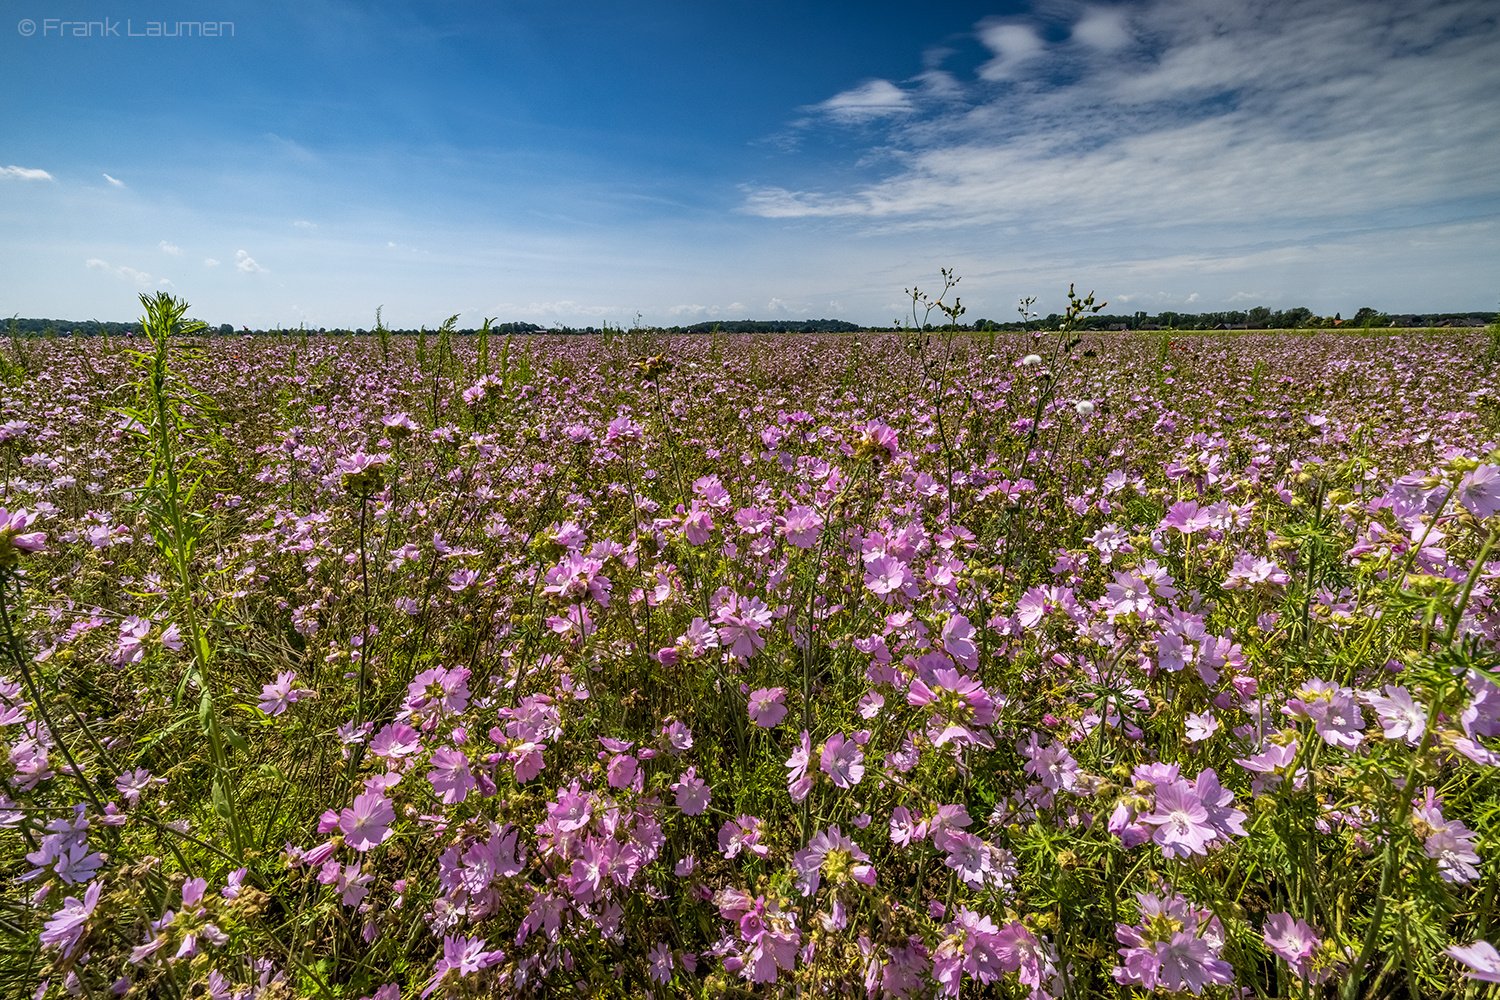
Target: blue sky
(583, 163)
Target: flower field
(882, 665)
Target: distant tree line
(775, 326)
(1259, 318)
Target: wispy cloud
(875, 99)
(14, 172)
(1014, 45)
(210, 262)
(304, 224)
(246, 263)
(170, 249)
(114, 181)
(128, 273)
(1103, 28)
(1193, 112)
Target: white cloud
(170, 249)
(165, 283)
(869, 100)
(304, 224)
(1262, 116)
(246, 263)
(210, 262)
(114, 181)
(1014, 46)
(559, 309)
(24, 174)
(128, 273)
(1103, 28)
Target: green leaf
(221, 802)
(236, 740)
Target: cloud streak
(14, 172)
(875, 99)
(246, 263)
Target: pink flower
(131, 784)
(66, 927)
(450, 776)
(276, 696)
(1181, 821)
(693, 793)
(801, 526)
(809, 863)
(463, 955)
(1479, 492)
(843, 761)
(697, 524)
(1333, 712)
(740, 834)
(1200, 726)
(886, 575)
(395, 741)
(766, 708)
(958, 641)
(661, 964)
(1291, 939)
(798, 782)
(14, 539)
(366, 823)
(622, 770)
(1481, 958)
(1401, 717)
(877, 438)
(1187, 517)
(740, 622)
(904, 829)
(527, 760)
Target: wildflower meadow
(923, 663)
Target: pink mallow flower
(742, 834)
(66, 927)
(801, 526)
(798, 781)
(766, 707)
(276, 696)
(843, 761)
(693, 793)
(1293, 940)
(831, 851)
(464, 956)
(1181, 821)
(1481, 960)
(1479, 492)
(15, 539)
(367, 823)
(450, 777)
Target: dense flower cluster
(868, 666)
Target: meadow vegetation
(903, 664)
